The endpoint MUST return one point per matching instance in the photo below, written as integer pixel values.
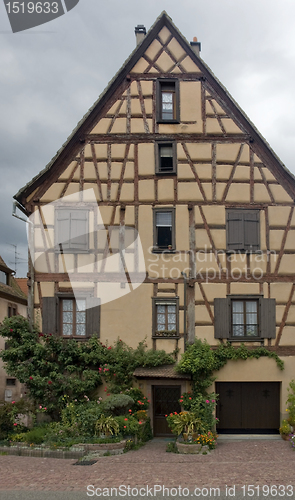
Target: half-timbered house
(167, 171)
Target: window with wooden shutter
(243, 230)
(71, 317)
(71, 230)
(244, 318)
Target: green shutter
(49, 315)
(268, 318)
(222, 318)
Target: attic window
(167, 101)
(165, 158)
(4, 278)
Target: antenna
(17, 257)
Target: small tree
(50, 366)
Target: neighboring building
(168, 152)
(12, 302)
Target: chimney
(140, 33)
(196, 46)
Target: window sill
(168, 121)
(166, 336)
(246, 339)
(164, 250)
(172, 172)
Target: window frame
(158, 146)
(74, 324)
(245, 300)
(232, 247)
(156, 248)
(66, 247)
(161, 83)
(164, 301)
(11, 310)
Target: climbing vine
(200, 361)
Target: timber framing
(119, 84)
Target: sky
(51, 75)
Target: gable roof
(77, 137)
(13, 291)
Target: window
(243, 228)
(70, 317)
(73, 317)
(4, 278)
(11, 310)
(168, 101)
(10, 381)
(165, 158)
(242, 318)
(164, 229)
(165, 318)
(71, 230)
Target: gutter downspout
(30, 275)
(184, 309)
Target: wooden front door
(165, 399)
(248, 407)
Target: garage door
(248, 407)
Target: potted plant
(285, 430)
(107, 426)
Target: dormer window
(4, 278)
(168, 101)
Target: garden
(63, 413)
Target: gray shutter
(251, 230)
(49, 315)
(79, 230)
(92, 317)
(268, 318)
(222, 318)
(62, 234)
(235, 230)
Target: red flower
(31, 378)
(181, 400)
(148, 401)
(125, 418)
(49, 382)
(14, 424)
(166, 415)
(124, 426)
(41, 334)
(11, 329)
(109, 347)
(189, 398)
(108, 394)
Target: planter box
(99, 449)
(192, 449)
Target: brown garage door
(165, 399)
(249, 407)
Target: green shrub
(128, 425)
(37, 435)
(10, 416)
(117, 404)
(291, 403)
(140, 402)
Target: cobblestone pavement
(255, 462)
